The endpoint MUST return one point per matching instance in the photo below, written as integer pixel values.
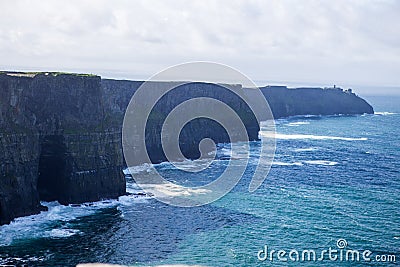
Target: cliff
(285, 102)
(118, 94)
(60, 134)
(56, 143)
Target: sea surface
(335, 183)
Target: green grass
(49, 73)
(73, 74)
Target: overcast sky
(348, 43)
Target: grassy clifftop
(34, 73)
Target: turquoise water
(334, 177)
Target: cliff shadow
(52, 168)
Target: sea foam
(312, 137)
(298, 123)
(307, 149)
(45, 223)
(321, 162)
(384, 113)
(279, 163)
(61, 233)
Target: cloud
(315, 41)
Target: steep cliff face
(19, 144)
(58, 144)
(60, 134)
(18, 175)
(118, 93)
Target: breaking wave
(384, 113)
(298, 123)
(313, 137)
(321, 162)
(47, 223)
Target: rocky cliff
(285, 102)
(60, 134)
(56, 143)
(118, 93)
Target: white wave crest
(41, 225)
(298, 123)
(307, 149)
(287, 163)
(384, 113)
(61, 233)
(312, 137)
(321, 162)
(311, 162)
(138, 169)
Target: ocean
(334, 187)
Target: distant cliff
(286, 102)
(60, 134)
(117, 95)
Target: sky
(317, 43)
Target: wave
(302, 116)
(145, 167)
(61, 233)
(39, 225)
(277, 122)
(298, 123)
(321, 162)
(384, 113)
(47, 223)
(312, 137)
(13, 261)
(311, 162)
(292, 121)
(307, 149)
(185, 165)
(287, 163)
(32, 226)
(313, 116)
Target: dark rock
(56, 143)
(285, 102)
